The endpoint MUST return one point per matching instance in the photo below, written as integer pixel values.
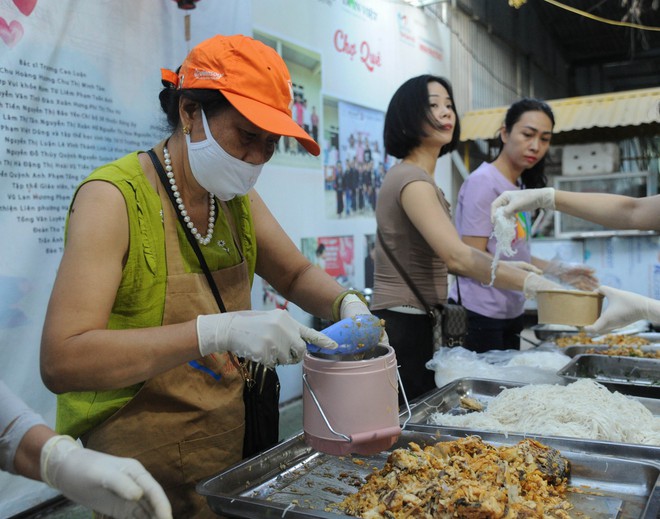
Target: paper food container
(571, 307)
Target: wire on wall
(518, 3)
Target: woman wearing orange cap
(150, 319)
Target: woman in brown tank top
(421, 124)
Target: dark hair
(533, 177)
(408, 111)
(211, 101)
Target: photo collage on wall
(305, 68)
(272, 299)
(353, 164)
(334, 254)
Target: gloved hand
(119, 487)
(523, 200)
(622, 309)
(534, 283)
(351, 306)
(575, 274)
(523, 265)
(270, 338)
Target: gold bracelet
(336, 305)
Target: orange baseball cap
(251, 75)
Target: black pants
(411, 337)
(487, 333)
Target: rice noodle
(583, 409)
(504, 232)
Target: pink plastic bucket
(351, 406)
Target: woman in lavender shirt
(495, 314)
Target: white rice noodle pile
(504, 232)
(583, 409)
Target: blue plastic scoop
(357, 334)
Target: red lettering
(364, 56)
(342, 44)
(431, 52)
(370, 60)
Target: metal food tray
(293, 480)
(630, 375)
(578, 349)
(447, 399)
(550, 332)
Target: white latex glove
(576, 274)
(523, 265)
(351, 306)
(119, 487)
(523, 200)
(534, 283)
(270, 338)
(622, 309)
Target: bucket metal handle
(405, 398)
(318, 406)
(350, 439)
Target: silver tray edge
(249, 507)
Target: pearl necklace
(203, 240)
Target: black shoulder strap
(402, 272)
(193, 243)
(458, 290)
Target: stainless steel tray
(579, 349)
(292, 480)
(549, 332)
(447, 399)
(633, 376)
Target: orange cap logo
(207, 74)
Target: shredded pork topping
(465, 478)
(611, 339)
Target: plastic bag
(530, 366)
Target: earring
(186, 130)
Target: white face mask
(216, 170)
